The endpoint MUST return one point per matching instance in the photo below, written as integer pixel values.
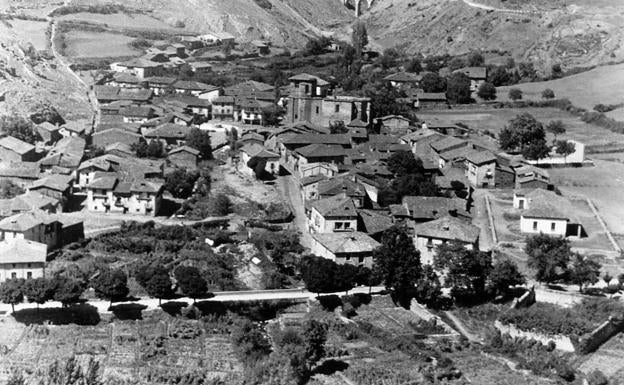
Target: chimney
(344, 191)
(445, 228)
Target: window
(552, 226)
(13, 275)
(534, 225)
(318, 110)
(28, 265)
(28, 274)
(360, 259)
(348, 258)
(337, 107)
(347, 225)
(337, 225)
(14, 266)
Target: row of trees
(109, 284)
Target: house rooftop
(448, 228)
(481, 157)
(24, 221)
(55, 182)
(357, 123)
(28, 201)
(255, 150)
(16, 145)
(336, 186)
(375, 221)
(404, 77)
(447, 143)
(308, 78)
(335, 206)
(321, 151)
(353, 242)
(22, 251)
(187, 149)
(474, 72)
(421, 207)
(193, 86)
(169, 130)
(304, 139)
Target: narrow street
(290, 193)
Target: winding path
(461, 329)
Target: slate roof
(353, 242)
(404, 77)
(193, 86)
(336, 206)
(304, 139)
(118, 93)
(448, 228)
(187, 149)
(255, 150)
(68, 152)
(223, 100)
(16, 145)
(147, 186)
(160, 80)
(337, 186)
(447, 143)
(169, 130)
(24, 221)
(103, 181)
(308, 180)
(137, 111)
(20, 170)
(321, 151)
(474, 72)
(481, 157)
(308, 78)
(22, 251)
(76, 127)
(549, 205)
(28, 201)
(421, 207)
(375, 222)
(55, 182)
(460, 153)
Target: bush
(330, 302)
(515, 94)
(549, 319)
(548, 94)
(605, 107)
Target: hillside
(574, 33)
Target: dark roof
(169, 130)
(447, 143)
(336, 206)
(55, 182)
(193, 86)
(404, 77)
(421, 207)
(474, 72)
(337, 186)
(308, 78)
(321, 150)
(481, 157)
(357, 123)
(137, 111)
(223, 100)
(374, 221)
(188, 149)
(16, 145)
(308, 180)
(303, 139)
(448, 228)
(160, 80)
(341, 243)
(118, 93)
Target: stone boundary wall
(600, 335)
(563, 343)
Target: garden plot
(85, 44)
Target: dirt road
(290, 193)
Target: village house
(223, 108)
(429, 235)
(193, 88)
(15, 150)
(139, 67)
(393, 125)
(429, 100)
(309, 186)
(170, 134)
(528, 176)
(251, 137)
(333, 214)
(73, 128)
(419, 209)
(35, 225)
(22, 259)
(128, 167)
(184, 157)
(107, 193)
(481, 169)
(109, 94)
(65, 155)
(104, 138)
(403, 80)
(345, 186)
(249, 111)
(420, 142)
(48, 132)
(447, 144)
(136, 114)
(374, 222)
(311, 169)
(477, 76)
(317, 153)
(546, 212)
(355, 248)
(124, 80)
(22, 174)
(28, 201)
(56, 186)
(200, 67)
(160, 84)
(251, 151)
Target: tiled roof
(342, 139)
(68, 152)
(321, 151)
(188, 149)
(24, 221)
(448, 228)
(16, 145)
(337, 186)
(403, 77)
(308, 180)
(193, 86)
(430, 207)
(103, 181)
(20, 170)
(54, 182)
(447, 143)
(160, 80)
(137, 111)
(375, 221)
(336, 206)
(147, 186)
(28, 201)
(223, 100)
(460, 153)
(255, 150)
(22, 251)
(169, 130)
(418, 135)
(353, 242)
(308, 78)
(474, 72)
(481, 157)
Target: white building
(21, 258)
(353, 248)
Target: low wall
(600, 335)
(426, 315)
(563, 343)
(527, 299)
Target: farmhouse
(481, 169)
(334, 214)
(108, 193)
(48, 132)
(15, 150)
(429, 235)
(35, 225)
(546, 212)
(22, 259)
(114, 135)
(141, 68)
(223, 108)
(169, 134)
(259, 152)
(477, 76)
(343, 185)
(29, 201)
(404, 80)
(355, 248)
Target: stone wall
(563, 343)
(600, 335)
(526, 300)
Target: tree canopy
(180, 183)
(359, 37)
(432, 82)
(522, 131)
(504, 275)
(12, 292)
(403, 163)
(200, 140)
(398, 263)
(584, 271)
(467, 270)
(191, 282)
(549, 256)
(458, 88)
(487, 91)
(19, 128)
(111, 285)
(158, 285)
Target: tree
(428, 288)
(527, 70)
(191, 282)
(155, 149)
(359, 38)
(515, 94)
(549, 256)
(9, 189)
(584, 271)
(475, 59)
(200, 140)
(19, 128)
(466, 270)
(338, 127)
(565, 148)
(548, 94)
(249, 341)
(432, 82)
(456, 63)
(536, 150)
(12, 292)
(66, 290)
(70, 372)
(316, 46)
(499, 76)
(389, 58)
(345, 276)
(403, 163)
(158, 285)
(398, 263)
(314, 337)
(521, 131)
(180, 183)
(458, 88)
(414, 66)
(318, 274)
(556, 71)
(111, 285)
(556, 127)
(487, 91)
(505, 274)
(384, 99)
(38, 290)
(408, 184)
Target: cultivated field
(600, 85)
(595, 138)
(152, 350)
(119, 20)
(83, 44)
